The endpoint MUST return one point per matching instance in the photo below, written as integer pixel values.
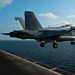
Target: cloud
(3, 3)
(62, 10)
(71, 16)
(60, 23)
(49, 16)
(64, 22)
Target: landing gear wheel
(55, 45)
(42, 44)
(72, 43)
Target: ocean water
(63, 57)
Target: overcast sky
(49, 13)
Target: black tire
(55, 45)
(42, 44)
(72, 43)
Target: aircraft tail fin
(21, 21)
(31, 21)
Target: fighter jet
(32, 29)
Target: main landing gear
(72, 43)
(55, 45)
(42, 44)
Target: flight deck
(12, 64)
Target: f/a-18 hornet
(32, 29)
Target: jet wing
(51, 33)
